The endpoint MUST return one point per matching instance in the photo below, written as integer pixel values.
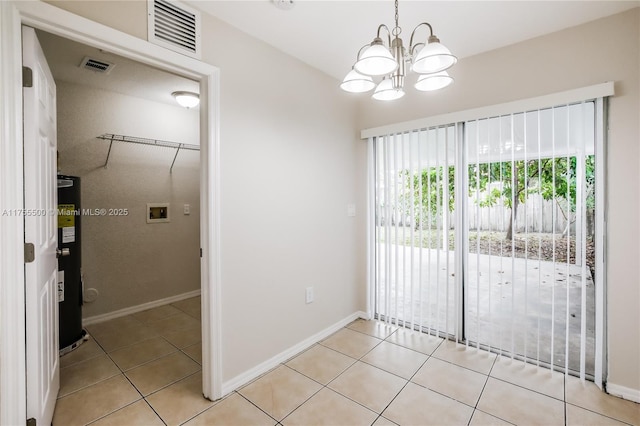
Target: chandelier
(430, 60)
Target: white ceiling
(127, 77)
(328, 34)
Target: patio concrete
(511, 303)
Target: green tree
(427, 190)
(554, 179)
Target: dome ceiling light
(186, 99)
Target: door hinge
(31, 422)
(29, 252)
(27, 77)
(200, 252)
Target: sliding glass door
(531, 259)
(484, 233)
(414, 230)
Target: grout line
(154, 410)
(199, 371)
(598, 413)
(213, 403)
(475, 407)
(405, 385)
(353, 400)
(526, 388)
(462, 366)
(442, 394)
(251, 402)
(492, 415)
(322, 386)
(148, 361)
(87, 386)
(304, 402)
(564, 393)
(113, 412)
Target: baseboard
(255, 372)
(138, 308)
(623, 392)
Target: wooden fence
(535, 215)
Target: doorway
(56, 21)
(150, 155)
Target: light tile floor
(367, 373)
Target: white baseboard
(251, 374)
(623, 392)
(138, 308)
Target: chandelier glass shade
(376, 60)
(433, 58)
(429, 59)
(357, 83)
(430, 82)
(385, 91)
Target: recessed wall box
(158, 212)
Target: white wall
(127, 260)
(291, 161)
(604, 50)
(289, 157)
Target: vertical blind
(484, 233)
(414, 184)
(533, 296)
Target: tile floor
(144, 369)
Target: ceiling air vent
(174, 26)
(96, 65)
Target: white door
(40, 201)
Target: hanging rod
(145, 141)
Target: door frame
(13, 14)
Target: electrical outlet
(187, 209)
(309, 295)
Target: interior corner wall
(129, 261)
(290, 157)
(291, 162)
(568, 59)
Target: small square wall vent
(175, 26)
(97, 65)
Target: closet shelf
(144, 141)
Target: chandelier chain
(396, 30)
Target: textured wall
(127, 260)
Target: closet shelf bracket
(145, 141)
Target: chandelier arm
(360, 51)
(388, 33)
(411, 46)
(412, 49)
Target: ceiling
(328, 34)
(127, 77)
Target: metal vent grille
(174, 26)
(96, 65)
